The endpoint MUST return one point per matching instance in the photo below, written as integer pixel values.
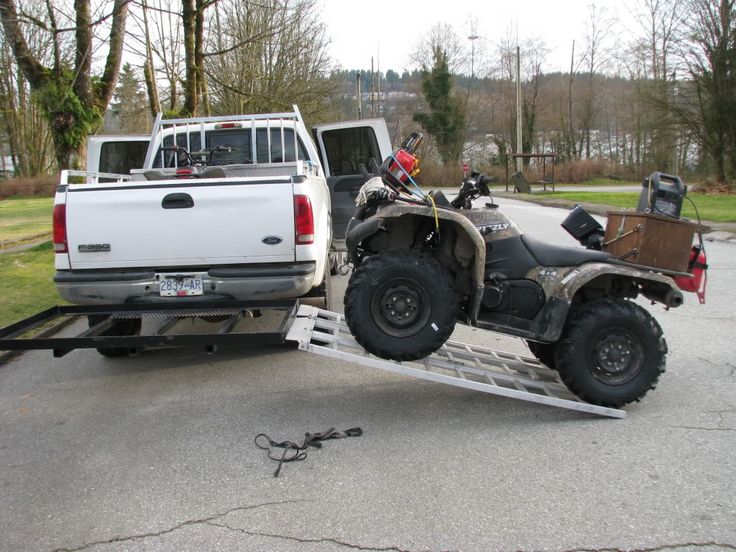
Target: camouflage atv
(422, 263)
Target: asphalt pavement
(156, 452)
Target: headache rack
(285, 127)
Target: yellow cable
(436, 216)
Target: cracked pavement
(156, 453)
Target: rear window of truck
(281, 148)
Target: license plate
(180, 286)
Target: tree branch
(114, 56)
(33, 70)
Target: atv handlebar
(472, 188)
(197, 158)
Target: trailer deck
(161, 330)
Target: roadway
(156, 452)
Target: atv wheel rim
(400, 307)
(618, 357)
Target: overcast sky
(358, 30)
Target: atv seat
(559, 255)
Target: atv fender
(562, 285)
(469, 247)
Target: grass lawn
(600, 182)
(24, 217)
(29, 285)
(713, 208)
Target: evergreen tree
(130, 107)
(446, 120)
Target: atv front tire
(611, 353)
(401, 305)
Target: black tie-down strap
(300, 451)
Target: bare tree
(660, 23)
(711, 61)
(29, 139)
(156, 37)
(267, 56)
(594, 56)
(535, 55)
(442, 36)
(72, 105)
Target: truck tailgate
(190, 223)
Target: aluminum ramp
(325, 333)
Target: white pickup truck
(244, 207)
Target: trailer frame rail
(166, 317)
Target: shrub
(439, 176)
(709, 186)
(44, 186)
(582, 170)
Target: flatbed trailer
(160, 332)
(313, 330)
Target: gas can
(698, 267)
(662, 194)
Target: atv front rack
(325, 333)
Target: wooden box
(649, 240)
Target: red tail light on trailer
(303, 220)
(60, 243)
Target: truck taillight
(303, 220)
(60, 243)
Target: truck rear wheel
(321, 296)
(130, 326)
(611, 353)
(401, 305)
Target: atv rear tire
(544, 353)
(401, 305)
(130, 326)
(611, 352)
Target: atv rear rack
(325, 333)
(159, 329)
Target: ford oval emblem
(272, 240)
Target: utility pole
(373, 90)
(360, 97)
(519, 147)
(379, 81)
